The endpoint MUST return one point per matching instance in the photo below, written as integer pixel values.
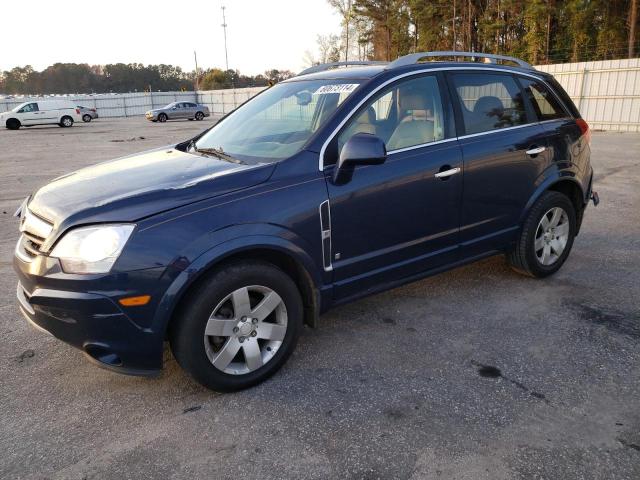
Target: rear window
(545, 104)
(489, 101)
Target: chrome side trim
(428, 144)
(325, 236)
(471, 135)
(419, 72)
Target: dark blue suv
(335, 184)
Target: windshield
(15, 109)
(277, 123)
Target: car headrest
(368, 116)
(488, 105)
(413, 100)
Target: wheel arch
(565, 183)
(288, 258)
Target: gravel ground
(478, 373)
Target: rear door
(190, 110)
(504, 151)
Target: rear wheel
(199, 116)
(238, 327)
(13, 124)
(546, 237)
(66, 122)
(86, 118)
(162, 118)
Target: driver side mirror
(360, 149)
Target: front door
(31, 115)
(393, 221)
(504, 150)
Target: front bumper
(151, 116)
(86, 314)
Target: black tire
(186, 332)
(523, 258)
(199, 116)
(66, 122)
(86, 118)
(162, 117)
(13, 124)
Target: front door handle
(536, 150)
(447, 173)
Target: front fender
(228, 242)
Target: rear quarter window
(544, 102)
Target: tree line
(123, 78)
(539, 31)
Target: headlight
(91, 249)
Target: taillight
(584, 129)
(93, 110)
(78, 111)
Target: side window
(407, 114)
(30, 107)
(545, 104)
(489, 101)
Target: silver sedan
(178, 110)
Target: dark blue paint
(391, 223)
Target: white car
(41, 112)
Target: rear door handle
(536, 150)
(447, 173)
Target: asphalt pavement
(478, 373)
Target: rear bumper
(90, 320)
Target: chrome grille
(34, 232)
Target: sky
(261, 34)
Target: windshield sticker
(339, 88)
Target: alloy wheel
(245, 330)
(552, 236)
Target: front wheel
(13, 124)
(546, 237)
(238, 327)
(162, 118)
(199, 116)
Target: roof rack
(413, 58)
(328, 66)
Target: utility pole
(195, 57)
(224, 26)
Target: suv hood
(130, 188)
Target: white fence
(221, 102)
(114, 104)
(607, 93)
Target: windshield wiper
(217, 152)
